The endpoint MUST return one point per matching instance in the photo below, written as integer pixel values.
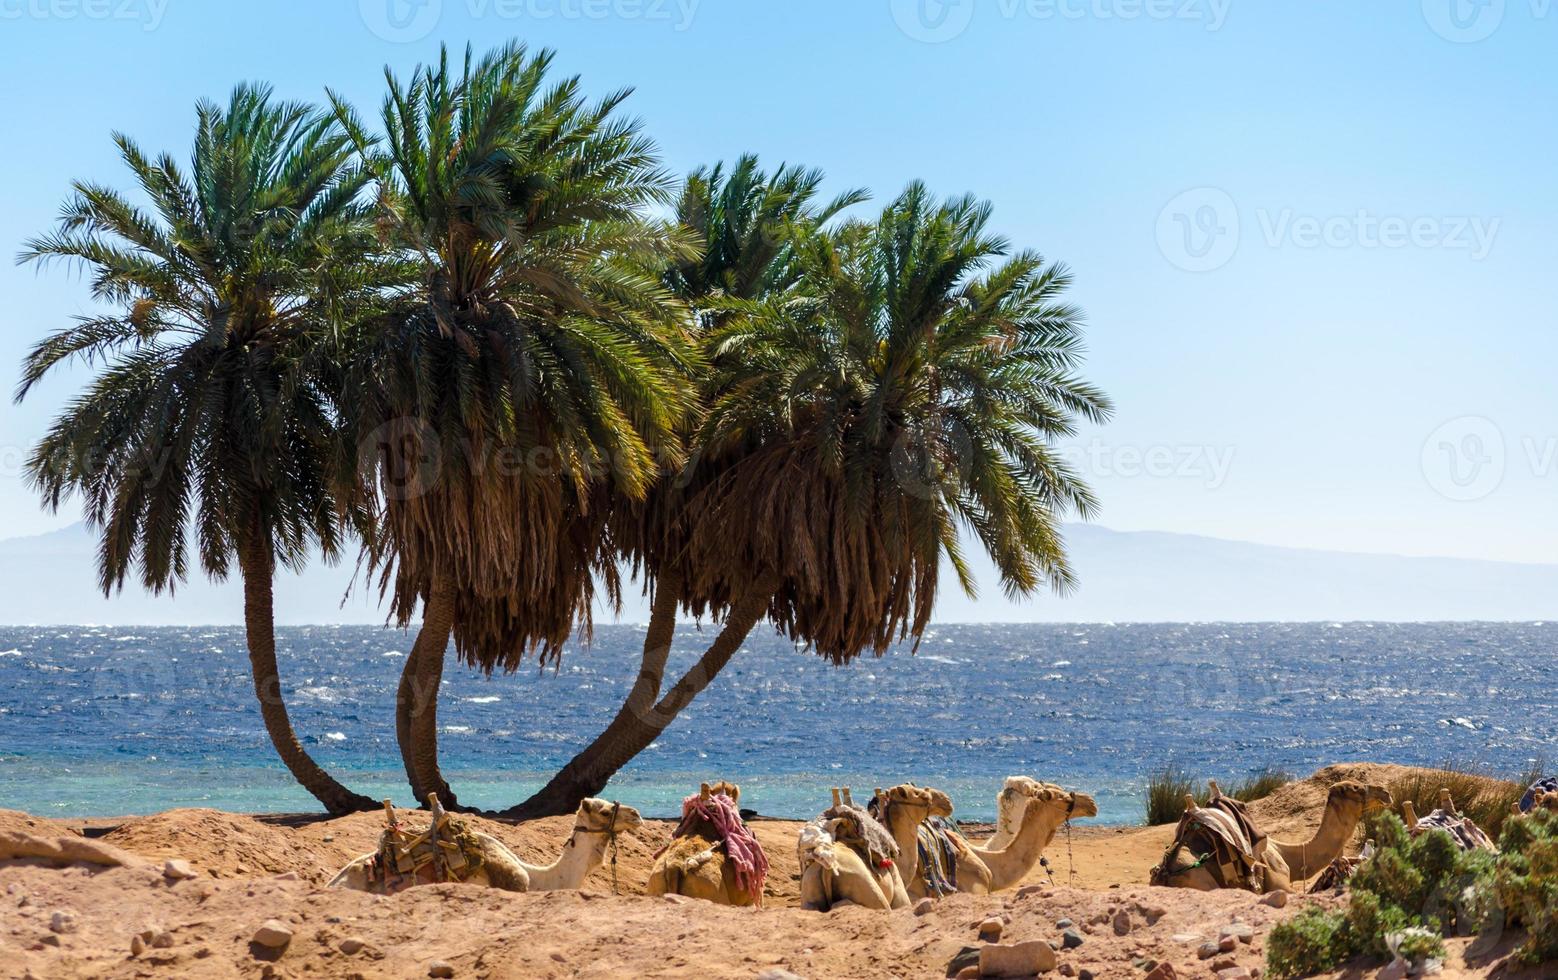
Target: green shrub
(1418, 890)
(1168, 787)
(1259, 785)
(1313, 941)
(1526, 882)
(1166, 791)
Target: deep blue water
(119, 721)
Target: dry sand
(252, 870)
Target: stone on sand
(273, 934)
(1016, 960)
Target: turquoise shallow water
(119, 721)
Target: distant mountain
(1136, 576)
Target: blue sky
(1315, 240)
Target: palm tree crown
(538, 356)
(907, 389)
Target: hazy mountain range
(1125, 577)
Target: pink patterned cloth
(741, 847)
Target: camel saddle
(446, 852)
(1221, 838)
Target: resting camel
(1462, 830)
(837, 869)
(697, 862)
(980, 870)
(596, 825)
(1280, 865)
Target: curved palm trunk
(416, 707)
(641, 719)
(260, 632)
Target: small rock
(1122, 923)
(1241, 931)
(137, 945)
(273, 934)
(1018, 960)
(1227, 943)
(675, 899)
(351, 945)
(62, 921)
(990, 930)
(1028, 891)
(162, 940)
(1155, 913)
(440, 969)
(202, 952)
(328, 838)
(1071, 939)
(1208, 950)
(1277, 900)
(1162, 971)
(1085, 975)
(23, 902)
(1225, 963)
(1067, 970)
(50, 940)
(1187, 937)
(178, 869)
(1235, 973)
(923, 906)
(777, 973)
(287, 876)
(1063, 923)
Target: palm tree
(749, 222)
(212, 414)
(908, 388)
(537, 362)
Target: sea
(99, 721)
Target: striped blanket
(741, 847)
(1467, 835)
(938, 853)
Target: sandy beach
(252, 869)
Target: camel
(1466, 834)
(980, 871)
(697, 862)
(1280, 865)
(836, 866)
(596, 825)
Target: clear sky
(1316, 241)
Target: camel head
(940, 803)
(1363, 798)
(1021, 788)
(731, 790)
(913, 797)
(604, 816)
